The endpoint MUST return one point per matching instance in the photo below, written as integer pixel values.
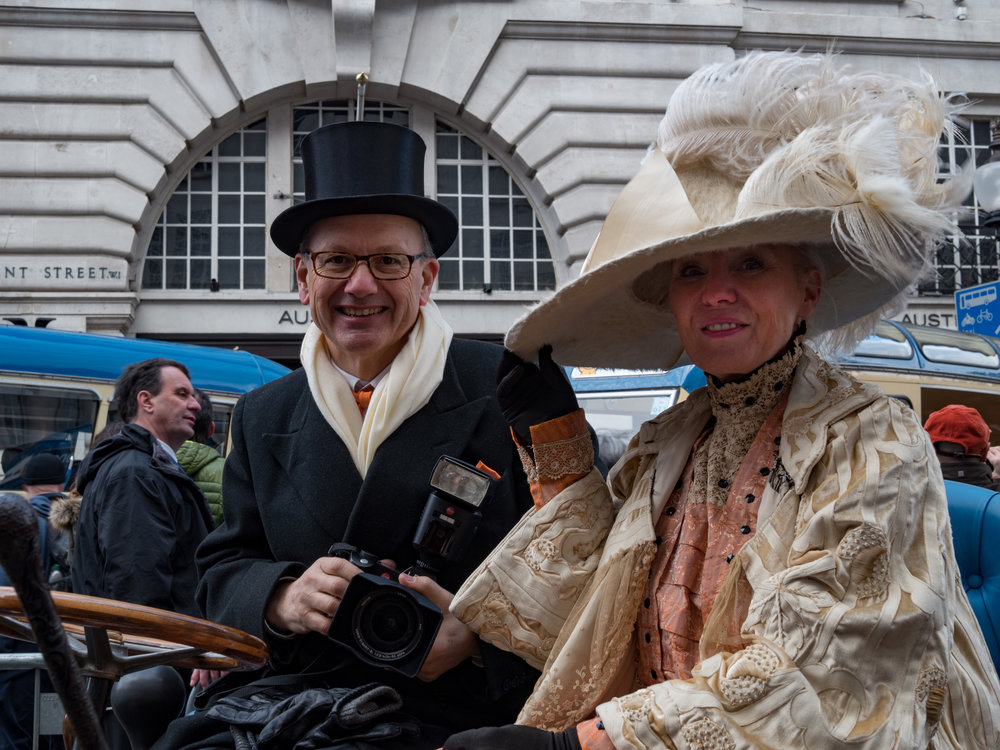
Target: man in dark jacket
(342, 450)
(142, 517)
(141, 520)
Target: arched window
(973, 260)
(501, 245)
(212, 232)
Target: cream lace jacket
(842, 623)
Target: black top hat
(363, 168)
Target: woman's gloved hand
(531, 394)
(513, 736)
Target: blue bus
(56, 389)
(926, 366)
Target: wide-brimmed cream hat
(773, 148)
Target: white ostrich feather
(731, 115)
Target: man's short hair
(138, 377)
(203, 422)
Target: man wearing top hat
(341, 451)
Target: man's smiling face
(366, 320)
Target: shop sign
(70, 274)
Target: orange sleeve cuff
(560, 454)
(592, 735)
(565, 427)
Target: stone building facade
(145, 145)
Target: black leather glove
(513, 736)
(273, 719)
(531, 394)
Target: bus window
(625, 410)
(222, 415)
(43, 419)
(887, 342)
(952, 348)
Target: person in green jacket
(201, 460)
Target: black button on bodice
(765, 471)
(750, 498)
(671, 510)
(744, 529)
(723, 483)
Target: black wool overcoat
(291, 490)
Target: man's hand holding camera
(308, 602)
(386, 618)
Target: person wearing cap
(43, 480)
(961, 440)
(770, 563)
(341, 450)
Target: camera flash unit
(461, 480)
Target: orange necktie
(363, 397)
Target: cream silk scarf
(413, 376)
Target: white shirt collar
(169, 450)
(354, 382)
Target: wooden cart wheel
(111, 638)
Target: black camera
(381, 621)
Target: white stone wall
(105, 105)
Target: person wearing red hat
(961, 440)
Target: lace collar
(739, 408)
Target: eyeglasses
(384, 266)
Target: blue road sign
(978, 309)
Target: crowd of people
(768, 564)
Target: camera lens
(387, 624)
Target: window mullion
(214, 231)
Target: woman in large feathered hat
(770, 563)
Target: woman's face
(737, 308)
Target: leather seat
(975, 525)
